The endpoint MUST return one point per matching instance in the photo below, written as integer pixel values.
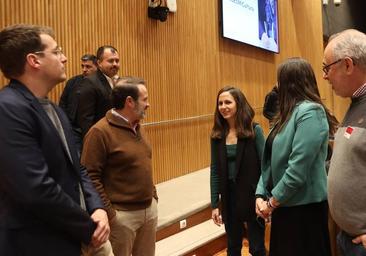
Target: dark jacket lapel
(40, 110)
(223, 157)
(240, 151)
(105, 84)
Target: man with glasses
(69, 100)
(344, 66)
(326, 67)
(48, 205)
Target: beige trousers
(132, 233)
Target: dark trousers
(235, 229)
(347, 247)
(300, 230)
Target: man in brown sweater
(118, 159)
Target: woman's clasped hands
(262, 209)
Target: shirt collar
(360, 91)
(115, 113)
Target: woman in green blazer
(292, 187)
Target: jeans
(347, 247)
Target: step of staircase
(187, 199)
(189, 240)
(181, 198)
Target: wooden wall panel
(184, 60)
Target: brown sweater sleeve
(94, 157)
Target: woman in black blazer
(236, 150)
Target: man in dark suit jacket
(95, 91)
(69, 101)
(48, 205)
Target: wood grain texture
(184, 60)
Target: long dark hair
(243, 117)
(296, 83)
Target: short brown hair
(16, 42)
(125, 86)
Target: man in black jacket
(69, 100)
(95, 90)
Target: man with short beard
(94, 98)
(118, 159)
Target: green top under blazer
(298, 157)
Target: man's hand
(216, 217)
(101, 233)
(360, 239)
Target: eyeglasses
(58, 51)
(327, 67)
